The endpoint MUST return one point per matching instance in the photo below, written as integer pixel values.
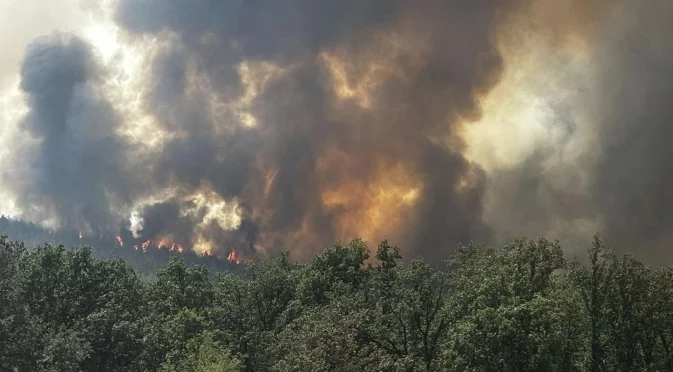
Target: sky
(23, 21)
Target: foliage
(203, 354)
(520, 308)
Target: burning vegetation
(145, 246)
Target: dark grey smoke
(75, 166)
(166, 217)
(301, 122)
(629, 166)
(437, 58)
(634, 175)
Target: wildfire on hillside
(160, 244)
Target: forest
(521, 307)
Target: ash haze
(291, 124)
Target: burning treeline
(252, 126)
(145, 246)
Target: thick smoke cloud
(75, 166)
(318, 120)
(618, 179)
(634, 171)
(319, 165)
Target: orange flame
(160, 244)
(177, 247)
(233, 257)
(172, 247)
(120, 241)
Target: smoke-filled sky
(263, 124)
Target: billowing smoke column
(76, 166)
(354, 133)
(353, 130)
(292, 124)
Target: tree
(630, 339)
(404, 311)
(392, 320)
(85, 305)
(505, 316)
(592, 283)
(179, 287)
(339, 269)
(659, 318)
(251, 309)
(19, 332)
(204, 354)
(326, 339)
(177, 303)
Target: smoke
(634, 170)
(72, 165)
(603, 161)
(355, 128)
(261, 125)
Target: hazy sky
(23, 20)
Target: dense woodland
(518, 308)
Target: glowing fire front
(163, 244)
(158, 244)
(233, 257)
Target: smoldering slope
(262, 125)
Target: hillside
(144, 260)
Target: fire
(160, 244)
(120, 241)
(233, 257)
(173, 247)
(80, 235)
